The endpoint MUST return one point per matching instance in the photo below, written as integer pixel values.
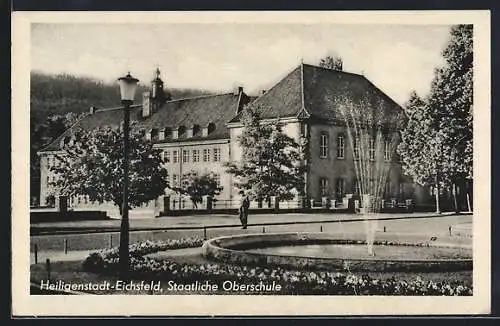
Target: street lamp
(128, 85)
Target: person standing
(244, 206)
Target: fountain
(372, 133)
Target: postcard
(251, 163)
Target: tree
(438, 136)
(91, 165)
(197, 186)
(451, 99)
(329, 62)
(421, 145)
(272, 162)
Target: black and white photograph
(251, 163)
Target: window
(48, 179)
(216, 154)
(217, 179)
(323, 186)
(356, 189)
(175, 180)
(176, 156)
(181, 131)
(185, 156)
(356, 148)
(402, 189)
(371, 150)
(166, 157)
(323, 146)
(340, 188)
(211, 128)
(388, 189)
(387, 150)
(154, 134)
(340, 146)
(196, 155)
(196, 130)
(85, 200)
(206, 155)
(168, 132)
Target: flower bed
(293, 281)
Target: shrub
(94, 263)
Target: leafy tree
(451, 100)
(197, 186)
(271, 162)
(440, 127)
(329, 62)
(91, 165)
(421, 146)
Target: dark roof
(310, 91)
(202, 110)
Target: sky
(220, 57)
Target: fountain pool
(324, 251)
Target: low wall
(234, 211)
(56, 216)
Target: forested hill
(58, 94)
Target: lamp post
(128, 85)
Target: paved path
(208, 221)
(80, 255)
(57, 255)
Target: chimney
(92, 109)
(238, 90)
(146, 104)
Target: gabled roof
(202, 110)
(309, 92)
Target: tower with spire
(156, 97)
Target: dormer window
(196, 130)
(182, 131)
(211, 127)
(154, 134)
(189, 132)
(161, 134)
(175, 133)
(207, 130)
(168, 132)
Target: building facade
(199, 135)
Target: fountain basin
(327, 251)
